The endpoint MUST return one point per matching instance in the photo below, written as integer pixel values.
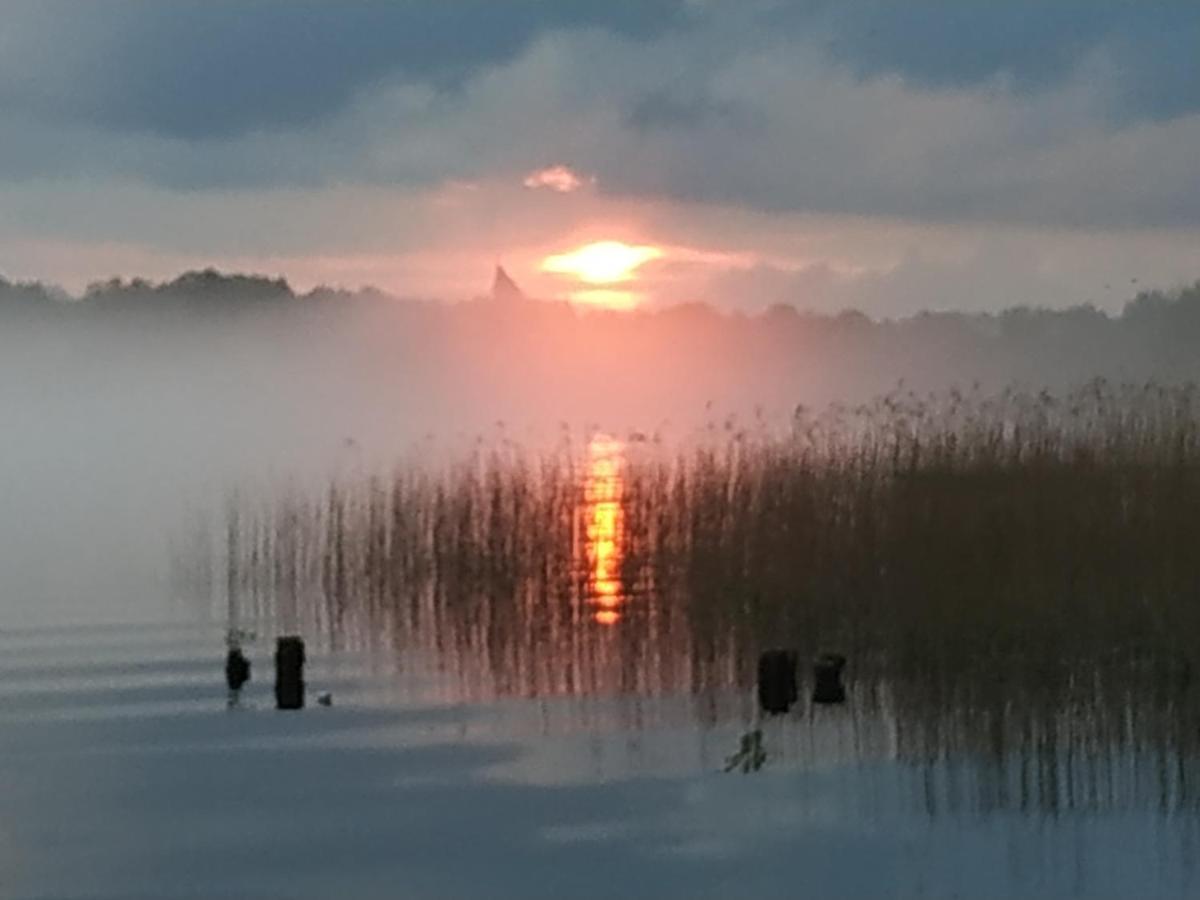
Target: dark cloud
(1032, 44)
(1061, 113)
(197, 69)
(689, 109)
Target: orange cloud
(559, 178)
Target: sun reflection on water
(603, 491)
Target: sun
(603, 262)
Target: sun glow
(603, 262)
(606, 298)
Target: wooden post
(237, 669)
(289, 673)
(827, 679)
(777, 681)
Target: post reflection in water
(604, 527)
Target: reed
(1013, 577)
(950, 535)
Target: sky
(882, 156)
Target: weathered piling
(777, 681)
(237, 669)
(289, 673)
(827, 679)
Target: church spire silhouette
(504, 288)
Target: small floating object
(827, 675)
(289, 672)
(325, 698)
(777, 681)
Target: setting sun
(603, 262)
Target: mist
(133, 412)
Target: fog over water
(131, 413)
(591, 449)
(540, 666)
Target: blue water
(124, 775)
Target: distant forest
(641, 363)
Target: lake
(125, 775)
(573, 735)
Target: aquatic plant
(958, 533)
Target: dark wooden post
(777, 681)
(289, 673)
(237, 669)
(827, 675)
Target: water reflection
(604, 517)
(913, 780)
(532, 583)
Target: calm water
(525, 747)
(124, 775)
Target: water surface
(567, 734)
(125, 775)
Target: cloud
(688, 109)
(1028, 44)
(296, 130)
(443, 243)
(890, 268)
(559, 178)
(214, 69)
(210, 69)
(702, 105)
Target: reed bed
(951, 531)
(1013, 576)
(955, 535)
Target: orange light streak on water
(602, 495)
